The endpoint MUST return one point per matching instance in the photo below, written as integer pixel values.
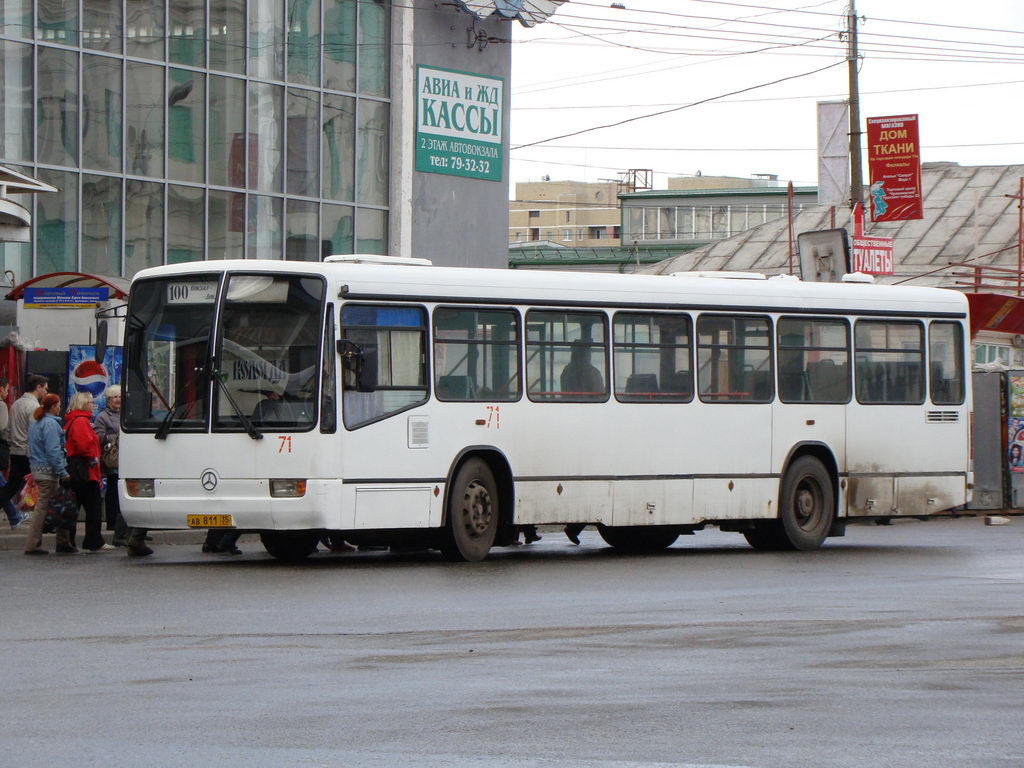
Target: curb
(15, 539)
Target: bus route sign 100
(459, 123)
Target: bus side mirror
(360, 366)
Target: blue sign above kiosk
(65, 297)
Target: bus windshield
(270, 343)
(167, 345)
(265, 357)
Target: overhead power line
(771, 98)
(757, 149)
(676, 109)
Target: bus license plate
(210, 521)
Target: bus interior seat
(456, 388)
(944, 390)
(759, 385)
(827, 380)
(678, 383)
(793, 386)
(642, 383)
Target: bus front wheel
(638, 538)
(473, 513)
(288, 546)
(807, 503)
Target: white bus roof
(363, 280)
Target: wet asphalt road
(899, 646)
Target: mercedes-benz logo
(208, 480)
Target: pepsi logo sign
(89, 376)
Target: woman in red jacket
(83, 449)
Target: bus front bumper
(247, 504)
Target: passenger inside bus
(270, 408)
(580, 376)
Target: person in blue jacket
(49, 469)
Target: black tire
(288, 546)
(768, 537)
(807, 504)
(472, 515)
(638, 538)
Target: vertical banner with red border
(894, 168)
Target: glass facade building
(181, 130)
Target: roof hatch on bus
(721, 275)
(355, 258)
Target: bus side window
(651, 352)
(946, 353)
(476, 354)
(890, 362)
(383, 349)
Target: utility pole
(856, 181)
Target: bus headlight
(141, 488)
(280, 489)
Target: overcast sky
(959, 65)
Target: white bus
(402, 403)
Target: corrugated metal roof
(970, 214)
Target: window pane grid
(946, 363)
(811, 371)
(162, 93)
(566, 357)
(890, 362)
(734, 360)
(476, 354)
(652, 358)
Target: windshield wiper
(250, 430)
(165, 425)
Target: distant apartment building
(698, 210)
(574, 214)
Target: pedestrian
(83, 451)
(529, 532)
(14, 516)
(222, 541)
(573, 531)
(108, 429)
(20, 418)
(45, 440)
(336, 543)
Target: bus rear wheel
(807, 503)
(638, 538)
(289, 546)
(473, 513)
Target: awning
(19, 183)
(118, 285)
(996, 312)
(529, 12)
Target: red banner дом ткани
(894, 168)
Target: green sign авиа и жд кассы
(458, 123)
